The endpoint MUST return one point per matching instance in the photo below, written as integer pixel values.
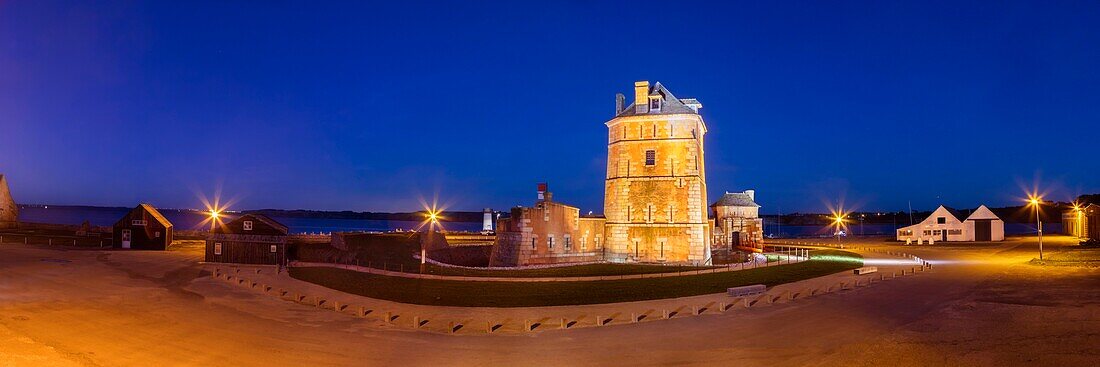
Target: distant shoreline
(456, 216)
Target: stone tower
(656, 192)
(9, 213)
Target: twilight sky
(366, 106)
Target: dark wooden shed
(143, 228)
(249, 239)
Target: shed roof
(982, 212)
(736, 199)
(155, 214)
(265, 219)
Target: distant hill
(347, 214)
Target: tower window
(650, 157)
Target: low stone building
(143, 228)
(737, 223)
(249, 239)
(9, 212)
(547, 233)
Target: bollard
(51, 242)
(599, 321)
(526, 325)
(633, 318)
(389, 317)
(416, 322)
(563, 323)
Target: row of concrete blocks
(562, 323)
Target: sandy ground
(982, 305)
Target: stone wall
(9, 212)
(548, 233)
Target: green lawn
(518, 294)
(566, 271)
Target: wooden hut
(249, 239)
(143, 228)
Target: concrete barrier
(865, 270)
(747, 290)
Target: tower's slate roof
(671, 105)
(735, 199)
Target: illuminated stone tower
(656, 192)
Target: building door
(126, 238)
(943, 235)
(735, 240)
(983, 230)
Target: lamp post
(1077, 222)
(1035, 200)
(838, 220)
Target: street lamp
(1077, 219)
(1035, 200)
(838, 220)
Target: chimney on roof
(641, 96)
(620, 100)
(751, 194)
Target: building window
(629, 209)
(217, 249)
(248, 225)
(568, 244)
(550, 242)
(650, 157)
(584, 242)
(655, 105)
(137, 222)
(597, 241)
(927, 232)
(534, 241)
(941, 220)
(274, 248)
(157, 234)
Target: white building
(944, 225)
(487, 220)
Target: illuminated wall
(655, 197)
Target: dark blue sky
(366, 106)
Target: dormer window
(248, 225)
(655, 104)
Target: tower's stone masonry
(9, 212)
(655, 200)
